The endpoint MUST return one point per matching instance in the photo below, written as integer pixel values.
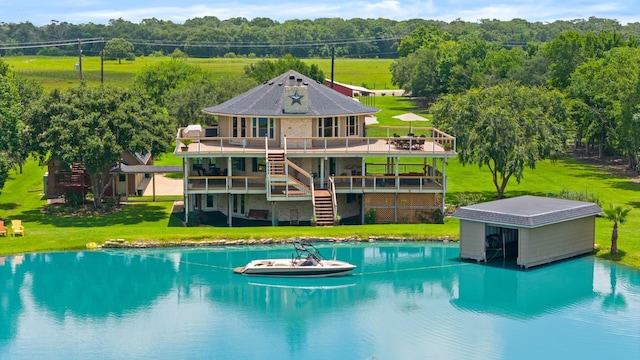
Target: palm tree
(618, 215)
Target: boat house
(293, 151)
(534, 230)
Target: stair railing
(313, 198)
(332, 191)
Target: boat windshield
(311, 260)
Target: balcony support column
(185, 185)
(229, 209)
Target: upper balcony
(414, 142)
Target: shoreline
(123, 244)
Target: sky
(42, 12)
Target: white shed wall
(472, 239)
(555, 242)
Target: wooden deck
(337, 147)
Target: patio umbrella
(410, 117)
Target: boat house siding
(542, 230)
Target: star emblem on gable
(296, 98)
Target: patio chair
(420, 142)
(398, 141)
(17, 228)
(3, 229)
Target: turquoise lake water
(403, 301)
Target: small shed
(534, 230)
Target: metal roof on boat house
(269, 100)
(527, 211)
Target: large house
(294, 151)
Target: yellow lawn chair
(17, 228)
(3, 229)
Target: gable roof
(268, 100)
(527, 211)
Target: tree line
(511, 107)
(263, 37)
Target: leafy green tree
(93, 126)
(185, 102)
(418, 74)
(564, 54)
(118, 48)
(11, 112)
(464, 67)
(498, 64)
(605, 95)
(268, 69)
(617, 215)
(505, 127)
(29, 92)
(423, 37)
(534, 71)
(158, 79)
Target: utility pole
(102, 65)
(333, 53)
(80, 58)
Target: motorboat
(307, 262)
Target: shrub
(578, 196)
(73, 199)
(430, 216)
(437, 217)
(464, 199)
(371, 217)
(111, 202)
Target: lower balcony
(384, 183)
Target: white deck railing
(434, 141)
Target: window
(328, 127)
(239, 127)
(197, 163)
(238, 204)
(264, 127)
(258, 165)
(352, 126)
(122, 177)
(239, 164)
(210, 202)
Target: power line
(16, 46)
(200, 44)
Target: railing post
(267, 182)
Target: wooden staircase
(282, 185)
(323, 208)
(276, 159)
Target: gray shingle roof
(145, 169)
(268, 100)
(527, 211)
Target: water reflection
(402, 300)
(524, 294)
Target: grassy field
(60, 72)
